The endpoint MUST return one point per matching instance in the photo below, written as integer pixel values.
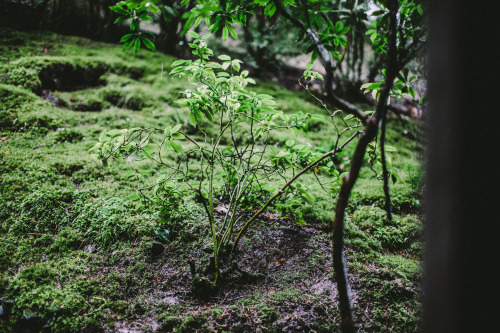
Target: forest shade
(462, 195)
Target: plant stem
(282, 190)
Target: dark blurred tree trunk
(462, 252)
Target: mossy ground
(79, 255)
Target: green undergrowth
(79, 253)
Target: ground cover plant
(80, 253)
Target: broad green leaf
(149, 44)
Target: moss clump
(68, 135)
(194, 322)
(267, 313)
(90, 104)
(54, 73)
(67, 240)
(40, 290)
(111, 95)
(42, 212)
(11, 100)
(106, 221)
(372, 225)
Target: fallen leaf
(279, 262)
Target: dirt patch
(296, 293)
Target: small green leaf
(129, 174)
(193, 34)
(192, 119)
(167, 131)
(232, 32)
(122, 19)
(126, 38)
(236, 65)
(178, 136)
(137, 44)
(175, 129)
(128, 44)
(177, 147)
(103, 136)
(225, 33)
(134, 25)
(149, 44)
(150, 149)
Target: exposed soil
(291, 259)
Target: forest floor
(78, 254)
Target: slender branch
(327, 64)
(385, 173)
(347, 323)
(282, 190)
